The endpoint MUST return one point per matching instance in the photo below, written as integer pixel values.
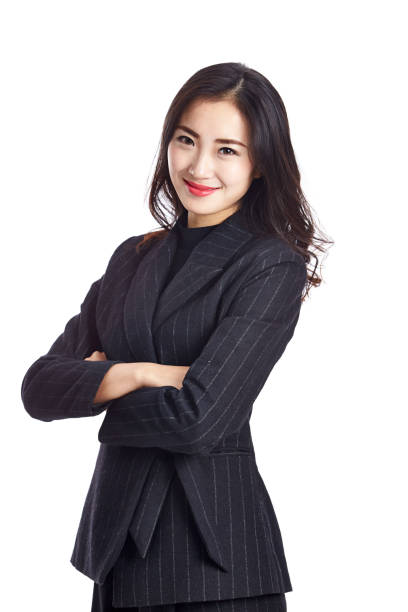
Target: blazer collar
(147, 306)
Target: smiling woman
(175, 342)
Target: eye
(180, 137)
(233, 152)
(228, 149)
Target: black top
(187, 238)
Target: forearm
(120, 379)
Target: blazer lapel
(147, 306)
(142, 296)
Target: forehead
(218, 119)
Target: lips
(200, 187)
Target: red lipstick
(199, 190)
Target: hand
(96, 356)
(158, 375)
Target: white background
(85, 88)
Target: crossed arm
(217, 391)
(221, 385)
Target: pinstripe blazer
(228, 313)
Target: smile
(199, 190)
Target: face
(195, 154)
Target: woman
(177, 515)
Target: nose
(201, 166)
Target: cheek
(176, 159)
(238, 174)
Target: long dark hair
(274, 202)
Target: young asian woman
(175, 343)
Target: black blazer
(228, 313)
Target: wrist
(140, 374)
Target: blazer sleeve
(223, 382)
(60, 384)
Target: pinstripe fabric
(102, 597)
(176, 490)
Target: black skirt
(273, 602)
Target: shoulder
(271, 251)
(125, 250)
(266, 265)
(271, 262)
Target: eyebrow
(221, 140)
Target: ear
(256, 175)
